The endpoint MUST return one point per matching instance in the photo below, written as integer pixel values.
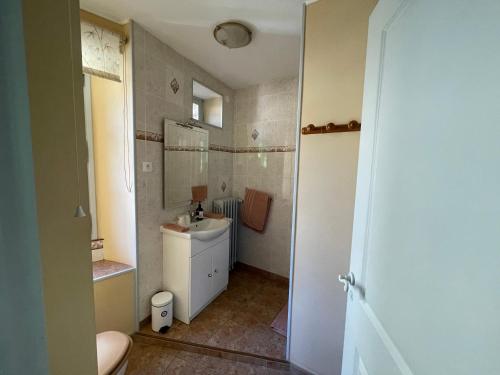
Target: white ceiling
(187, 26)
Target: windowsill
(104, 269)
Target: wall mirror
(207, 105)
(185, 162)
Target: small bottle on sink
(199, 211)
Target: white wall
(334, 56)
(115, 203)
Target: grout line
(214, 351)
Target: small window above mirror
(207, 105)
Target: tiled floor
(239, 319)
(158, 360)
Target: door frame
(296, 177)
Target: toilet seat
(113, 349)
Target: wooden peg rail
(352, 126)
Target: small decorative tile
(97, 244)
(255, 134)
(97, 255)
(174, 85)
(223, 186)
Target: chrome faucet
(192, 214)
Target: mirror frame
(203, 122)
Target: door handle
(209, 275)
(348, 280)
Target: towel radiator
(230, 207)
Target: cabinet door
(220, 260)
(201, 281)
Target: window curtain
(101, 54)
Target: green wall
(23, 343)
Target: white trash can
(162, 311)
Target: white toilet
(113, 349)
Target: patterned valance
(101, 55)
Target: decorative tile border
(97, 244)
(221, 148)
(186, 148)
(148, 136)
(155, 137)
(245, 150)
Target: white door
(201, 281)
(220, 259)
(426, 240)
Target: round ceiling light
(232, 34)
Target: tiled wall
(163, 88)
(265, 120)
(261, 146)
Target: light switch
(147, 166)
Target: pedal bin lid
(162, 299)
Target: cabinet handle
(209, 275)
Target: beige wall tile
(156, 65)
(270, 109)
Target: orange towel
(199, 193)
(213, 215)
(176, 227)
(255, 210)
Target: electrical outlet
(147, 166)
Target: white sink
(204, 230)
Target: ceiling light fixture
(233, 34)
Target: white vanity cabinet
(195, 271)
